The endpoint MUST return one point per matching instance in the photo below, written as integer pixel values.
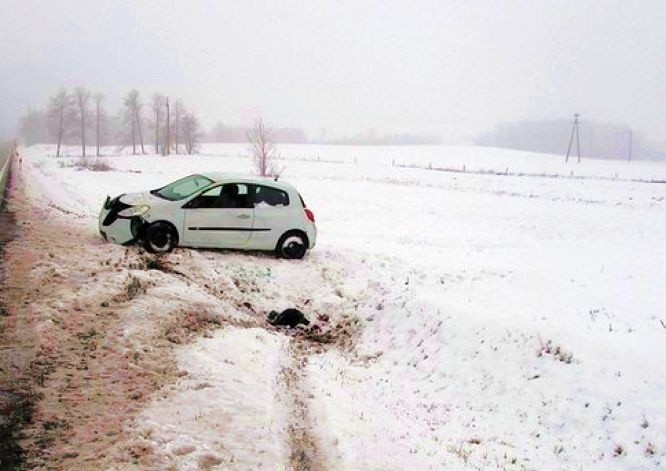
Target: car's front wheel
(292, 245)
(160, 237)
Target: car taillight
(309, 214)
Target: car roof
(221, 177)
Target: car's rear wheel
(292, 245)
(160, 237)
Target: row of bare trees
(70, 116)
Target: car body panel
(213, 227)
(141, 197)
(120, 232)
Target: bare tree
(81, 99)
(262, 149)
(158, 110)
(128, 125)
(100, 121)
(60, 107)
(132, 117)
(191, 134)
(178, 114)
(166, 148)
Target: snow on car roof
(221, 177)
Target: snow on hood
(142, 197)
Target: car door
(271, 215)
(220, 217)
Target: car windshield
(182, 188)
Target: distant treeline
(223, 133)
(35, 127)
(597, 140)
(239, 134)
(80, 117)
(370, 138)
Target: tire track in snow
(304, 450)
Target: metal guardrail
(4, 176)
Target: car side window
(229, 195)
(206, 199)
(266, 196)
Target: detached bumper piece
(119, 229)
(114, 206)
(124, 231)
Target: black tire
(160, 237)
(292, 245)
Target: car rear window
(268, 196)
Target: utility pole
(574, 130)
(168, 130)
(97, 105)
(631, 142)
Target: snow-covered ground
(488, 321)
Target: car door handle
(243, 216)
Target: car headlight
(134, 211)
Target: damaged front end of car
(121, 223)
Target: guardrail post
(4, 174)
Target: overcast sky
(454, 68)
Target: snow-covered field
(484, 321)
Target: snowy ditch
(147, 361)
(243, 395)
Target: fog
(450, 68)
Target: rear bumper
(312, 235)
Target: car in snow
(213, 210)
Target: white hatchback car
(213, 210)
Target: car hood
(141, 197)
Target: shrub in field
(83, 163)
(555, 351)
(100, 165)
